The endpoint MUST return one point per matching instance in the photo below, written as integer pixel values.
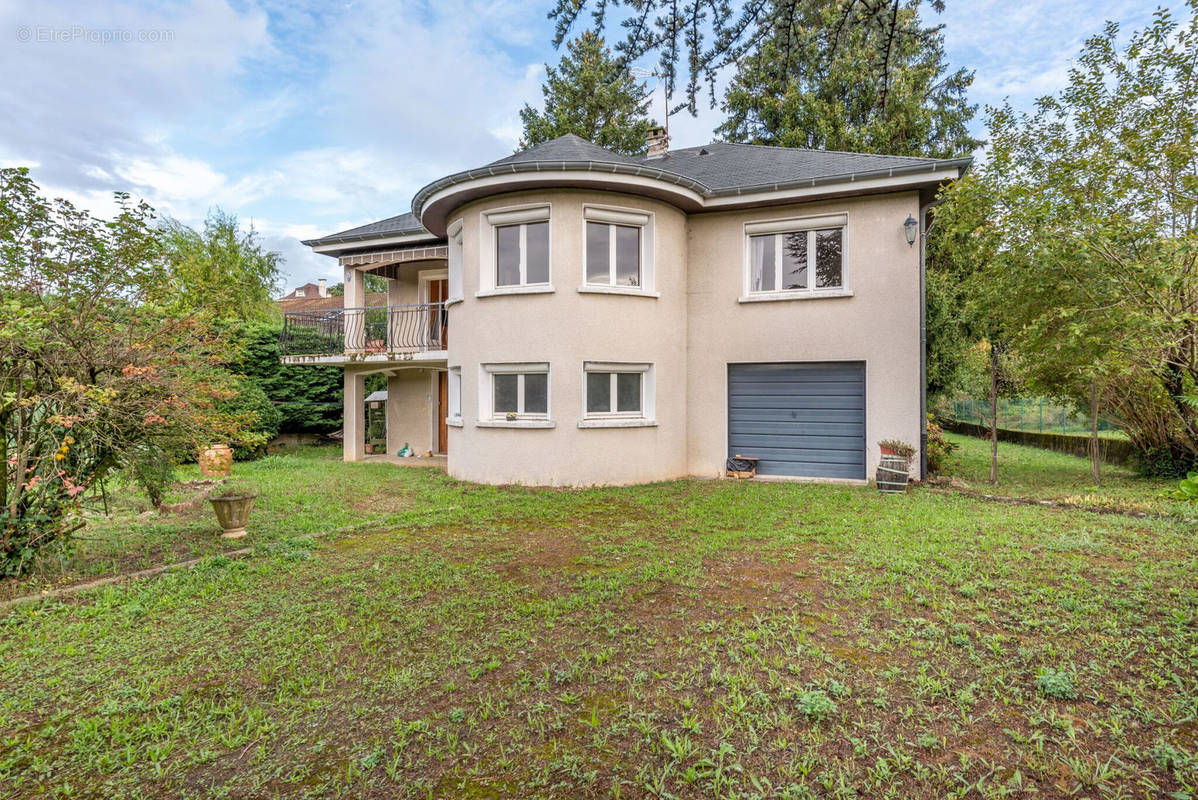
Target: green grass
(684, 639)
(1042, 474)
(307, 491)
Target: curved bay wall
(566, 327)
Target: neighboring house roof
(326, 303)
(693, 175)
(307, 290)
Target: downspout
(925, 229)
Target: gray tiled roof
(391, 226)
(569, 148)
(711, 170)
(724, 167)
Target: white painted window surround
(454, 234)
(774, 235)
(454, 416)
(516, 219)
(521, 388)
(618, 395)
(606, 277)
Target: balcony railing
(382, 329)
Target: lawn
(1042, 474)
(683, 639)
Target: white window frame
(487, 418)
(646, 417)
(490, 223)
(779, 228)
(628, 217)
(454, 233)
(454, 412)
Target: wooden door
(442, 412)
(438, 292)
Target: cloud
(84, 102)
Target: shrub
(1165, 462)
(939, 448)
(259, 417)
(307, 397)
(1055, 684)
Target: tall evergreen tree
(593, 95)
(836, 75)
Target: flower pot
(233, 512)
(216, 460)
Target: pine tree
(835, 75)
(593, 95)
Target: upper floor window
(617, 251)
(613, 254)
(522, 254)
(455, 260)
(796, 256)
(517, 257)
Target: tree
(835, 75)
(99, 371)
(1083, 223)
(707, 37)
(375, 284)
(593, 95)
(221, 268)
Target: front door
(442, 412)
(438, 292)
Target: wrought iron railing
(381, 329)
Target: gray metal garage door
(799, 419)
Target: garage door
(804, 419)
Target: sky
(305, 118)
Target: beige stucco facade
(877, 324)
(688, 323)
(566, 327)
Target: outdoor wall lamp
(911, 229)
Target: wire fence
(1031, 414)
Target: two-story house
(570, 316)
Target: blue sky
(310, 117)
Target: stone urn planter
(233, 509)
(216, 460)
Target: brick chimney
(659, 142)
(322, 288)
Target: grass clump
(1055, 684)
(815, 705)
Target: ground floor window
(614, 390)
(454, 412)
(515, 391)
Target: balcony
(382, 333)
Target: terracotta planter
(216, 460)
(233, 512)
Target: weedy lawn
(684, 639)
